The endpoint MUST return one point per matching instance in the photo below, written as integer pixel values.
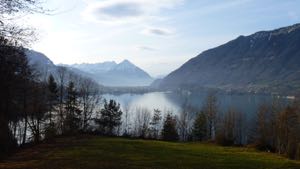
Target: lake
(174, 101)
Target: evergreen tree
(61, 73)
(169, 132)
(200, 127)
(52, 96)
(52, 99)
(72, 120)
(12, 64)
(110, 117)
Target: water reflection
(151, 101)
(246, 103)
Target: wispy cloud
(157, 31)
(146, 48)
(120, 11)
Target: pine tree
(169, 132)
(52, 96)
(72, 120)
(155, 123)
(12, 64)
(110, 117)
(200, 127)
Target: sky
(156, 35)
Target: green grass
(119, 153)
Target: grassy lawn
(118, 153)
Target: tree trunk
(25, 129)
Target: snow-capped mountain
(113, 74)
(97, 67)
(106, 73)
(44, 67)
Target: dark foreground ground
(91, 152)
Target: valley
(160, 84)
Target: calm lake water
(246, 103)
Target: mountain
(266, 61)
(113, 74)
(40, 61)
(44, 67)
(97, 67)
(106, 73)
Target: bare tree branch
(9, 10)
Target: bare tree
(12, 9)
(25, 6)
(38, 109)
(90, 98)
(184, 123)
(26, 84)
(230, 128)
(288, 132)
(263, 140)
(142, 122)
(126, 118)
(210, 108)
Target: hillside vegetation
(266, 61)
(91, 152)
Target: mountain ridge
(266, 61)
(110, 73)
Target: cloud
(117, 10)
(146, 48)
(157, 31)
(120, 11)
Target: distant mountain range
(266, 61)
(113, 74)
(106, 73)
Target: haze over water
(172, 101)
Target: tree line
(274, 128)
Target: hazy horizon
(157, 36)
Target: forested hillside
(266, 61)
